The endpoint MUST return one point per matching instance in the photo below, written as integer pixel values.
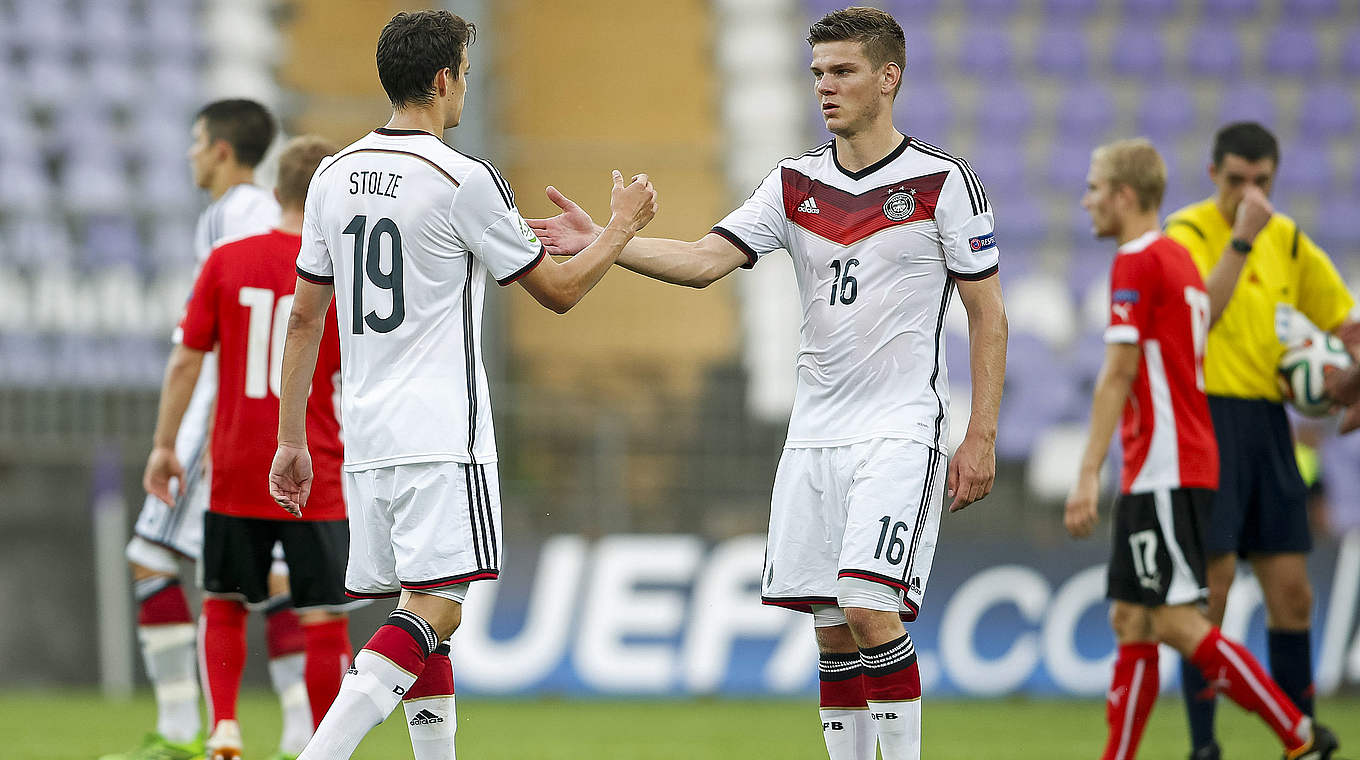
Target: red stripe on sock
(435, 681)
(283, 634)
(848, 693)
(329, 655)
(1133, 689)
(224, 654)
(897, 686)
(1231, 669)
(165, 607)
(398, 646)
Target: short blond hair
(297, 164)
(1135, 164)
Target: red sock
(1133, 689)
(890, 672)
(283, 633)
(328, 657)
(436, 680)
(405, 640)
(1229, 668)
(164, 607)
(842, 681)
(223, 653)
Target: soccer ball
(1306, 362)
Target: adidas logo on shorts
(809, 206)
(426, 718)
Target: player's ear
(892, 74)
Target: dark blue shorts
(1261, 504)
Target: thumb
(557, 198)
(618, 179)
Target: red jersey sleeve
(1133, 290)
(198, 328)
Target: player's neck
(290, 221)
(854, 152)
(423, 119)
(230, 176)
(1137, 227)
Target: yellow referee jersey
(1284, 267)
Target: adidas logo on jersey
(426, 718)
(809, 206)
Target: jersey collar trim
(871, 168)
(1140, 242)
(403, 132)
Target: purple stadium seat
(48, 78)
(1067, 165)
(1070, 9)
(1062, 50)
(1339, 230)
(95, 182)
(1311, 8)
(25, 360)
(1139, 51)
(991, 10)
(1305, 169)
(1166, 112)
(111, 241)
(921, 53)
(1248, 102)
(1086, 112)
(172, 243)
(1350, 54)
(989, 53)
(36, 240)
(1219, 9)
(1292, 50)
(40, 27)
(1327, 111)
(1147, 9)
(926, 110)
(1000, 166)
(174, 29)
(108, 27)
(1214, 50)
(1006, 110)
(1084, 357)
(27, 187)
(1022, 225)
(119, 83)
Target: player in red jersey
(240, 305)
(1154, 375)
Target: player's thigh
(316, 552)
(237, 556)
(807, 520)
(1157, 554)
(446, 524)
(894, 498)
(371, 571)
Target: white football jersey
(408, 230)
(242, 211)
(876, 253)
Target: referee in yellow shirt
(1259, 512)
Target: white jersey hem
(373, 464)
(825, 443)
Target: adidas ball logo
(426, 718)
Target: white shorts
(180, 529)
(868, 511)
(421, 527)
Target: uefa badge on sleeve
(900, 205)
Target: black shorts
(237, 553)
(1158, 555)
(1262, 502)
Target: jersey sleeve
(1188, 234)
(486, 220)
(1133, 287)
(967, 229)
(314, 259)
(1323, 296)
(759, 225)
(198, 327)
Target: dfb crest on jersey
(900, 205)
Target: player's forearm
(674, 261)
(987, 335)
(577, 276)
(299, 363)
(181, 374)
(1222, 281)
(1111, 393)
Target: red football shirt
(1158, 300)
(241, 304)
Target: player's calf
(166, 632)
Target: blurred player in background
(881, 228)
(239, 307)
(1153, 374)
(1260, 510)
(230, 138)
(407, 230)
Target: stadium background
(639, 434)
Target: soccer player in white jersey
(405, 231)
(882, 229)
(230, 138)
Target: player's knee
(1291, 604)
(1130, 622)
(319, 617)
(832, 630)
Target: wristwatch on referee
(1241, 246)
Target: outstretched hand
(567, 233)
(290, 478)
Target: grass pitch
(79, 725)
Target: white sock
(432, 723)
(287, 675)
(171, 658)
(899, 728)
(849, 734)
(369, 693)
